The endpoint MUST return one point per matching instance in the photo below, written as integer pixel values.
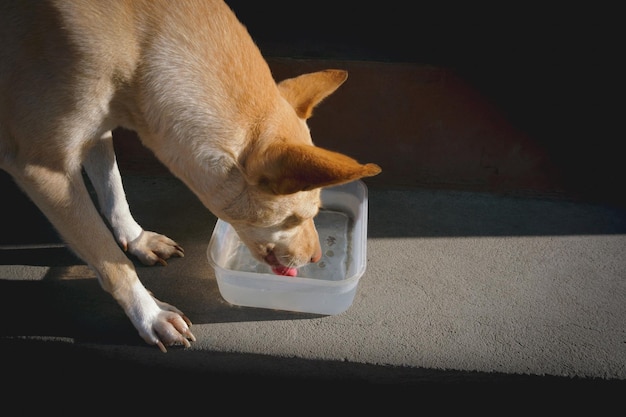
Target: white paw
(171, 328)
(159, 323)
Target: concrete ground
(460, 288)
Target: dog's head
(284, 173)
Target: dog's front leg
(64, 199)
(101, 167)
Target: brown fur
(187, 77)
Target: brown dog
(187, 77)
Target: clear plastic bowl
(326, 287)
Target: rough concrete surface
(460, 288)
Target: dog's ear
(287, 168)
(308, 90)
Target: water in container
(334, 230)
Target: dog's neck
(212, 120)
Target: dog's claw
(189, 336)
(161, 346)
(162, 261)
(184, 340)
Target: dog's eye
(292, 221)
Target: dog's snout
(316, 256)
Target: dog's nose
(316, 256)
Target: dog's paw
(158, 323)
(168, 327)
(172, 328)
(152, 248)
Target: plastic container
(326, 287)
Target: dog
(188, 78)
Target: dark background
(554, 70)
(567, 55)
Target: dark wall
(554, 70)
(560, 59)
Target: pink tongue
(284, 270)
